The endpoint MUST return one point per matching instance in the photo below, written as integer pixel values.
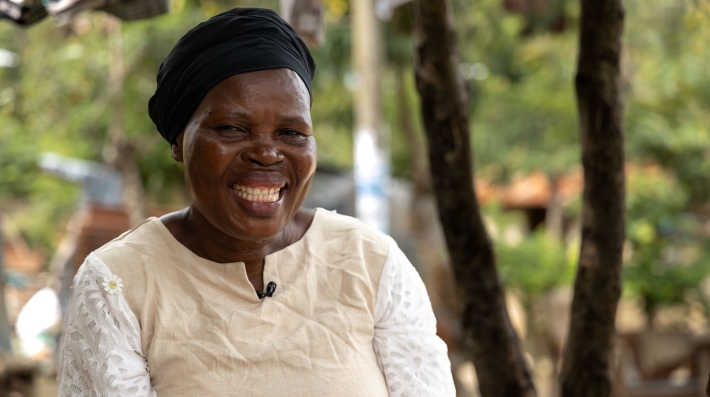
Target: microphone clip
(270, 288)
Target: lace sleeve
(411, 356)
(100, 351)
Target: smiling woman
(249, 139)
(176, 307)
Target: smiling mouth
(259, 194)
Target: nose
(263, 153)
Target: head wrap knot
(238, 41)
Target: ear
(176, 148)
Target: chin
(245, 225)
(257, 229)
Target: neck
(200, 236)
(214, 244)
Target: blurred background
(81, 162)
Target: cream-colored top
(201, 329)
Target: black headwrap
(237, 41)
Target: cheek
(206, 160)
(306, 169)
(307, 160)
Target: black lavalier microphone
(270, 288)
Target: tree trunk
(586, 368)
(495, 347)
(417, 162)
(554, 216)
(371, 170)
(118, 152)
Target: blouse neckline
(175, 242)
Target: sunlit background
(80, 92)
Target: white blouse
(101, 353)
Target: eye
(231, 129)
(291, 133)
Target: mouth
(258, 194)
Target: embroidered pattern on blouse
(412, 357)
(101, 353)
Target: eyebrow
(240, 115)
(282, 119)
(292, 120)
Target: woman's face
(249, 153)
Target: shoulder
(137, 257)
(142, 244)
(350, 242)
(337, 227)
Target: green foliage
(58, 100)
(660, 275)
(332, 111)
(653, 195)
(34, 200)
(530, 263)
(666, 259)
(525, 109)
(16, 159)
(536, 264)
(523, 118)
(668, 121)
(669, 89)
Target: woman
(244, 292)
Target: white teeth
(258, 195)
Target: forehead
(278, 89)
